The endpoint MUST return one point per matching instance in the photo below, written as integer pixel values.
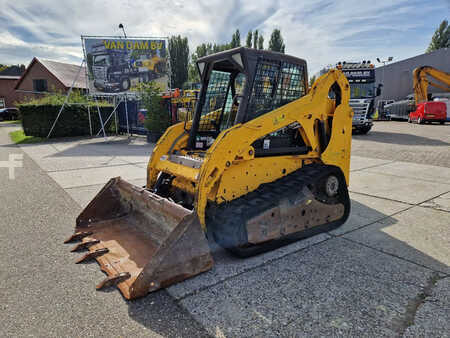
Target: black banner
(359, 74)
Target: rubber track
(226, 221)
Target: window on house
(40, 85)
(2, 102)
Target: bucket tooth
(113, 280)
(92, 255)
(78, 236)
(84, 245)
(147, 242)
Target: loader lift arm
(421, 82)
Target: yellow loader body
(233, 184)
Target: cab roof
(229, 60)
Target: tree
(255, 39)
(13, 70)
(248, 43)
(276, 42)
(179, 60)
(261, 42)
(193, 75)
(205, 49)
(324, 70)
(202, 50)
(236, 39)
(157, 119)
(441, 37)
(312, 79)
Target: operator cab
(240, 85)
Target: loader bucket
(142, 241)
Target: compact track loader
(263, 162)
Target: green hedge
(37, 119)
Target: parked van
(431, 111)
(446, 100)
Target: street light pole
(121, 26)
(384, 62)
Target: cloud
(320, 31)
(354, 30)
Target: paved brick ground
(402, 141)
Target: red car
(433, 111)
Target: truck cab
(361, 77)
(111, 70)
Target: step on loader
(263, 162)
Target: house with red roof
(45, 76)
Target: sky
(321, 31)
